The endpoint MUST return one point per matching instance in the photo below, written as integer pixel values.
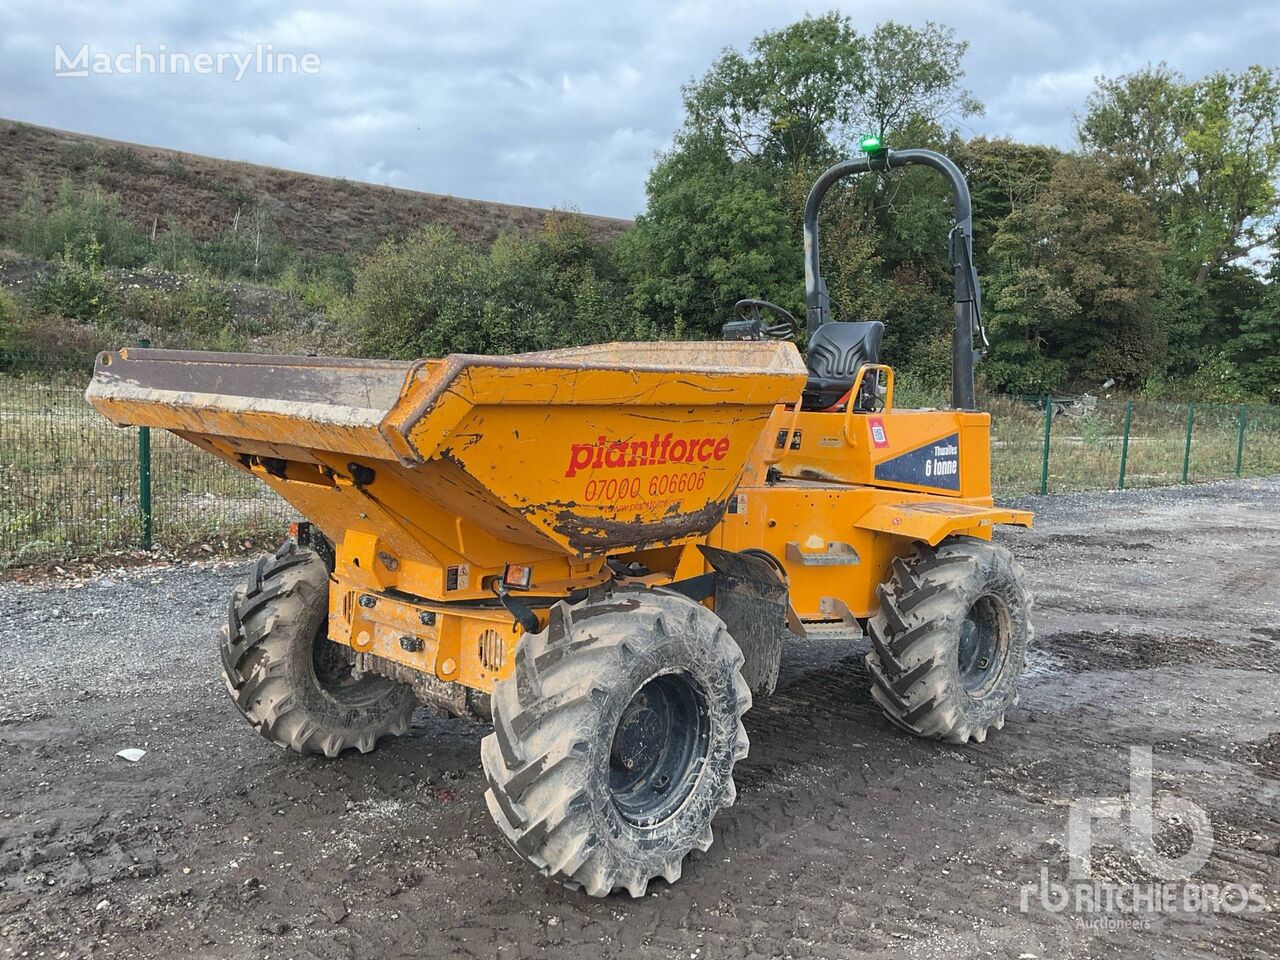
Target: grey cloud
(548, 104)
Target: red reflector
(518, 576)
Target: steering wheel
(783, 327)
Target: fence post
(144, 476)
(1048, 428)
(1186, 456)
(1240, 441)
(1124, 445)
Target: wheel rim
(336, 676)
(332, 668)
(659, 747)
(983, 646)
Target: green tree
(1074, 278)
(918, 324)
(805, 92)
(1228, 207)
(715, 231)
(1205, 157)
(1205, 154)
(431, 294)
(1256, 349)
(725, 203)
(786, 100)
(1003, 176)
(1140, 119)
(910, 76)
(79, 219)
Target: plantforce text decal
(936, 464)
(613, 454)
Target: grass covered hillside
(201, 196)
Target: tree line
(1145, 255)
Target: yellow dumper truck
(603, 550)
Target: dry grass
(203, 194)
(1085, 451)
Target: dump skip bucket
(580, 451)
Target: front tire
(289, 680)
(949, 641)
(615, 739)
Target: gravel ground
(1157, 626)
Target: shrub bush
(320, 281)
(431, 294)
(195, 314)
(80, 155)
(76, 220)
(123, 159)
(249, 249)
(417, 298)
(43, 344)
(77, 288)
(12, 314)
(48, 344)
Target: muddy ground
(1157, 624)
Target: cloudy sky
(542, 103)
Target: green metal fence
(72, 485)
(1089, 444)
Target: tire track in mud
(848, 839)
(1085, 650)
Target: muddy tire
(615, 739)
(949, 641)
(291, 683)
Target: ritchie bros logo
(612, 454)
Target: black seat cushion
(836, 352)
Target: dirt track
(1157, 618)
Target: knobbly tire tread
(914, 635)
(546, 761)
(273, 621)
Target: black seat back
(837, 351)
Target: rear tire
(950, 639)
(615, 739)
(295, 686)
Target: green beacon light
(871, 145)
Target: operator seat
(837, 351)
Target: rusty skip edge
(573, 360)
(361, 394)
(322, 390)
(593, 536)
(127, 406)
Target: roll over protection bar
(968, 294)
